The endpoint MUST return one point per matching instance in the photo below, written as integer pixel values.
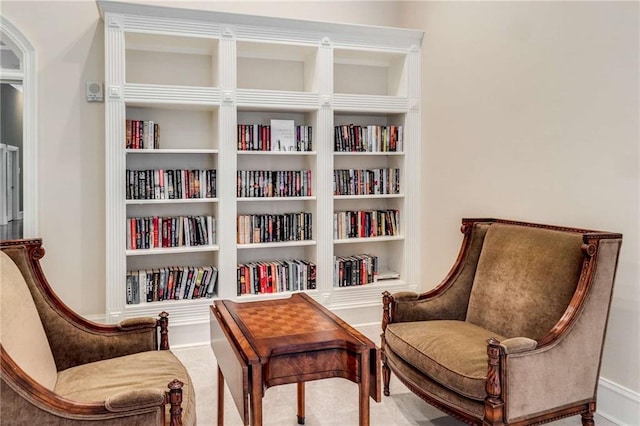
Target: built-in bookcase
(201, 74)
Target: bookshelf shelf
(275, 199)
(173, 201)
(368, 239)
(367, 197)
(172, 250)
(367, 154)
(276, 245)
(200, 75)
(171, 151)
(276, 153)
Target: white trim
(617, 403)
(13, 37)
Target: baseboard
(618, 404)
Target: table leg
(220, 397)
(255, 394)
(300, 403)
(363, 388)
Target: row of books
(171, 283)
(273, 183)
(141, 134)
(170, 184)
(258, 137)
(372, 138)
(366, 223)
(275, 276)
(173, 231)
(366, 182)
(359, 269)
(269, 228)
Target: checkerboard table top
(293, 324)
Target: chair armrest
(518, 344)
(408, 306)
(137, 323)
(81, 342)
(135, 400)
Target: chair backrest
(525, 279)
(21, 332)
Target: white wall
(530, 112)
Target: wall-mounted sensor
(95, 92)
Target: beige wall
(530, 112)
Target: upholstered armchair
(514, 333)
(60, 369)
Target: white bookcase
(199, 74)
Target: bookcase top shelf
(205, 23)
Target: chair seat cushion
(453, 353)
(98, 381)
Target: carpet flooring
(329, 402)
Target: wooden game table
(294, 340)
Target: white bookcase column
(115, 166)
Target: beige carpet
(330, 402)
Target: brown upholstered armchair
(514, 333)
(60, 369)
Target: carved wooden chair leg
(386, 376)
(175, 399)
(587, 419)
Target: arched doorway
(18, 68)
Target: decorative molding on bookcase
(413, 73)
(177, 95)
(277, 35)
(227, 57)
(374, 103)
(229, 97)
(115, 22)
(325, 101)
(115, 211)
(228, 31)
(325, 67)
(162, 25)
(300, 101)
(114, 91)
(412, 221)
(365, 295)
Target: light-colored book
(283, 135)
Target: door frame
(9, 196)
(20, 45)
